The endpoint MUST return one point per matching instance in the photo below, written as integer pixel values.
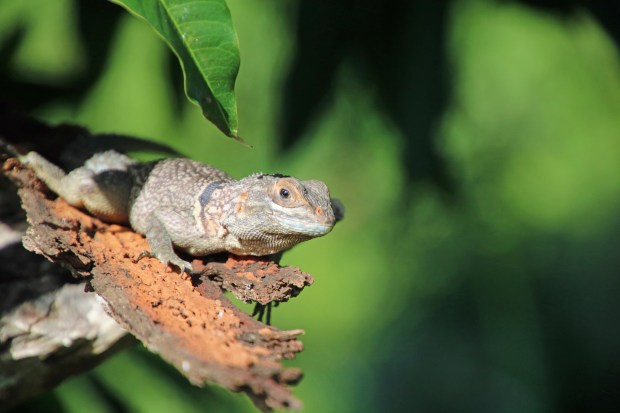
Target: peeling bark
(185, 319)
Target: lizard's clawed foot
(262, 310)
(143, 254)
(183, 265)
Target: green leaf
(201, 34)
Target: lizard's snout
(325, 215)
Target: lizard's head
(302, 206)
(284, 209)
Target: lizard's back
(169, 187)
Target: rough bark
(50, 328)
(185, 319)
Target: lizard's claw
(143, 254)
(183, 265)
(177, 262)
(260, 310)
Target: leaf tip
(241, 141)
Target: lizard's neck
(215, 202)
(235, 214)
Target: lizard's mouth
(314, 229)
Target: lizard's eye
(286, 193)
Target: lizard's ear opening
(285, 193)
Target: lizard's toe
(183, 265)
(169, 260)
(143, 254)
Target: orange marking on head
(239, 206)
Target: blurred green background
(476, 147)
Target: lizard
(182, 204)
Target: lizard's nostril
(319, 211)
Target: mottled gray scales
(183, 204)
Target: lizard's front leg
(161, 245)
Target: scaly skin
(198, 209)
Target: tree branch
(187, 320)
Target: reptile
(180, 204)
